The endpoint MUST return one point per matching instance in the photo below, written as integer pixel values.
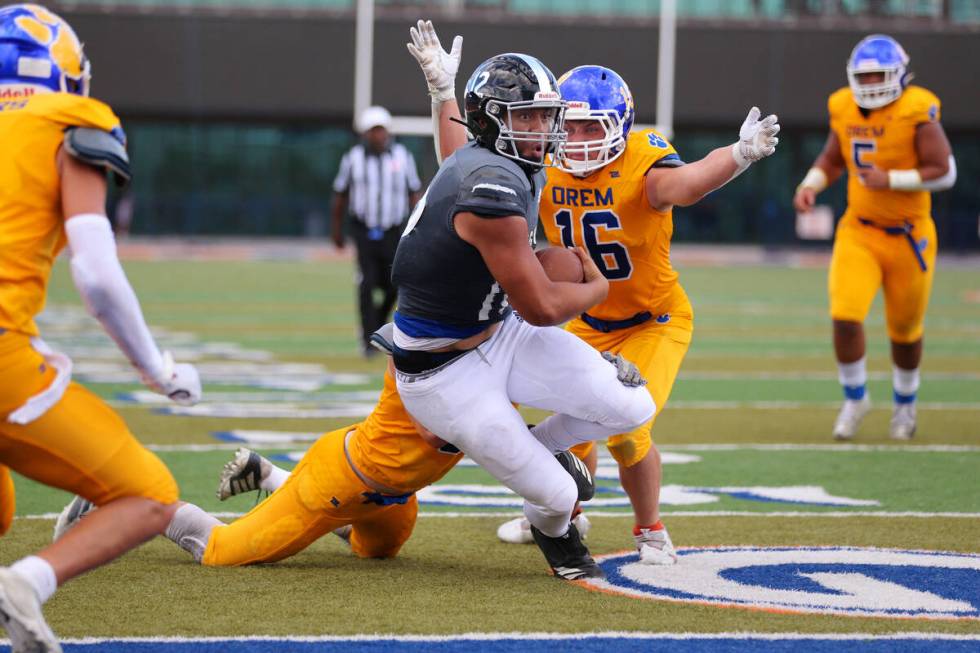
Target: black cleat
(579, 472)
(243, 473)
(567, 555)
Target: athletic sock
(277, 476)
(905, 384)
(637, 529)
(39, 573)
(854, 378)
(190, 529)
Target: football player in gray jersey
(462, 354)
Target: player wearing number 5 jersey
(888, 137)
(612, 194)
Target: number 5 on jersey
(612, 258)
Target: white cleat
(515, 531)
(902, 425)
(518, 530)
(850, 416)
(70, 515)
(655, 547)
(243, 473)
(20, 616)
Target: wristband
(815, 179)
(905, 180)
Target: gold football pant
(866, 258)
(657, 347)
(321, 494)
(79, 445)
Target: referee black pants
(375, 256)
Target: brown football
(561, 264)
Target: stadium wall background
(237, 121)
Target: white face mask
(878, 94)
(583, 157)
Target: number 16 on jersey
(612, 258)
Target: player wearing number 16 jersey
(612, 194)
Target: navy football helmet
(499, 88)
(878, 54)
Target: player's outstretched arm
(103, 285)
(503, 243)
(826, 169)
(440, 68)
(685, 185)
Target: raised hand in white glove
(756, 139)
(438, 65)
(178, 381)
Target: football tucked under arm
(561, 265)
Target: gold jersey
(607, 214)
(32, 228)
(386, 447)
(884, 138)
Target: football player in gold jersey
(58, 145)
(612, 193)
(888, 137)
(358, 481)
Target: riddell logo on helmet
(15, 92)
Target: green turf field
(745, 437)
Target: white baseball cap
(374, 117)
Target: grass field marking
(843, 580)
(500, 514)
(721, 375)
(692, 404)
(838, 448)
(480, 636)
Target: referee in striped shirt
(377, 185)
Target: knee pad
(640, 409)
(630, 448)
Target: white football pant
(469, 404)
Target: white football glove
(178, 381)
(756, 139)
(627, 373)
(438, 65)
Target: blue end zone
(584, 644)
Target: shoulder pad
(672, 160)
(494, 191)
(839, 100)
(384, 338)
(100, 149)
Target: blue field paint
(565, 644)
(820, 580)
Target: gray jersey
(445, 289)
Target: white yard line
(626, 513)
(484, 636)
(830, 448)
